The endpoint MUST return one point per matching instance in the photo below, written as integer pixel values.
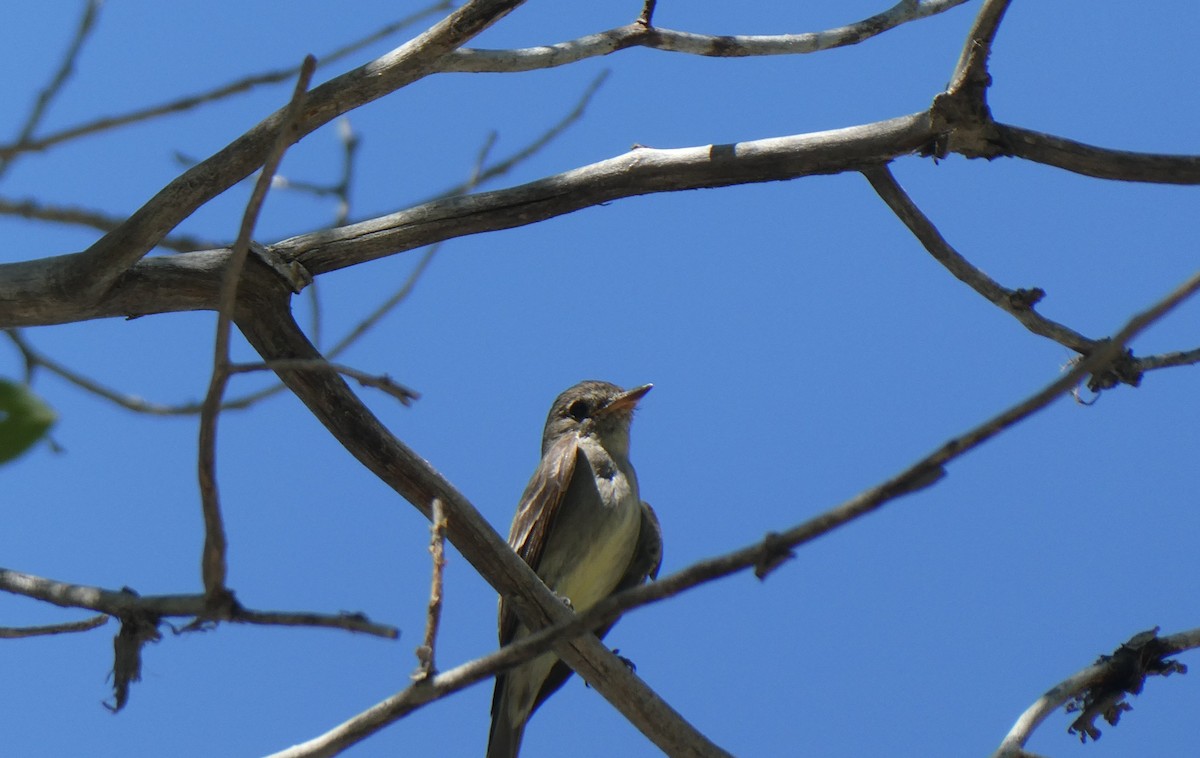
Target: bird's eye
(579, 410)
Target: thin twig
(18, 632)
(646, 18)
(87, 22)
(426, 663)
(636, 34)
(971, 69)
(213, 566)
(124, 603)
(40, 211)
(1014, 302)
(387, 306)
(218, 93)
(91, 274)
(36, 359)
(481, 174)
(381, 382)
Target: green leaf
(24, 419)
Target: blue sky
(803, 347)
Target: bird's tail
(504, 739)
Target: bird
(582, 526)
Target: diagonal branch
(65, 214)
(1017, 303)
(94, 271)
(245, 84)
(970, 73)
(87, 22)
(270, 329)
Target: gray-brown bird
(582, 526)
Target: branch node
(1125, 673)
(1025, 299)
(964, 125)
(293, 274)
(773, 553)
(1124, 369)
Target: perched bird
(582, 526)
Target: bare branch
(426, 665)
(646, 18)
(213, 564)
(638, 172)
(483, 173)
(1169, 360)
(1098, 162)
(126, 603)
(87, 23)
(94, 271)
(213, 95)
(1017, 303)
(35, 209)
(12, 633)
(40, 291)
(970, 73)
(382, 382)
(641, 34)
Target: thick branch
(640, 171)
(37, 292)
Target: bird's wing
(537, 511)
(647, 558)
(648, 555)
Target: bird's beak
(627, 400)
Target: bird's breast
(594, 535)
